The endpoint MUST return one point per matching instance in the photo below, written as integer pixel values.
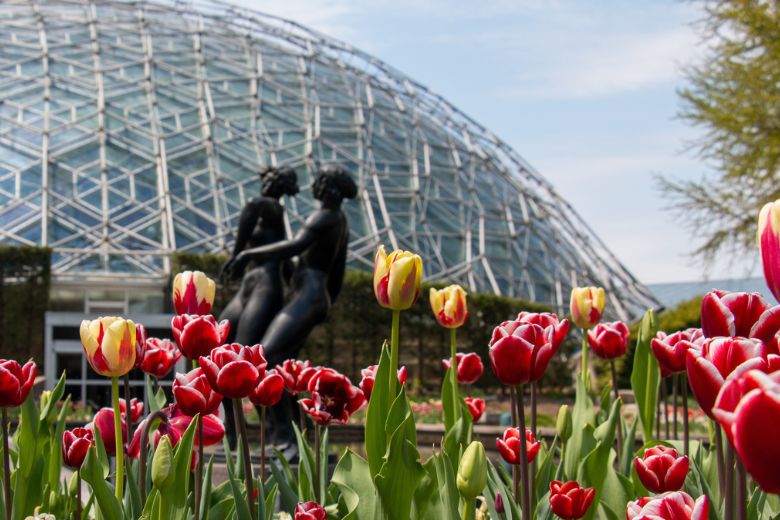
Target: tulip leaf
(352, 477)
(54, 460)
(628, 447)
(544, 472)
(205, 496)
(401, 470)
(458, 437)
(378, 409)
(55, 395)
(100, 449)
(242, 509)
(617, 491)
(92, 473)
(592, 470)
(182, 460)
(283, 476)
(581, 441)
(305, 468)
(496, 486)
(646, 375)
(450, 402)
(426, 499)
(448, 490)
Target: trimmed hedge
(352, 336)
(25, 278)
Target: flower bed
(150, 464)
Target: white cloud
(607, 64)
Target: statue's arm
(280, 250)
(246, 223)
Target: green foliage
(733, 96)
(646, 375)
(25, 273)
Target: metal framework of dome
(129, 130)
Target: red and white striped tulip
(193, 293)
(109, 343)
(768, 238)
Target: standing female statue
(321, 247)
(261, 294)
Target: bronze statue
(261, 294)
(321, 248)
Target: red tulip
(174, 428)
(198, 335)
(295, 374)
(730, 314)
(554, 328)
(333, 397)
(469, 367)
(193, 393)
(75, 444)
(15, 381)
(676, 505)
(708, 368)
(140, 343)
(476, 407)
(234, 370)
(369, 374)
(104, 421)
(662, 469)
(519, 353)
(509, 445)
(159, 357)
(769, 245)
(748, 408)
(609, 340)
(268, 390)
(767, 329)
(569, 501)
(310, 511)
(669, 350)
(193, 293)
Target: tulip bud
(499, 503)
(397, 278)
(586, 306)
(449, 306)
(472, 471)
(768, 238)
(193, 293)
(564, 424)
(109, 344)
(162, 464)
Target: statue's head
(279, 181)
(332, 185)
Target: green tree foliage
(24, 297)
(733, 95)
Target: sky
(585, 91)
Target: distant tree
(733, 94)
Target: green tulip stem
(742, 499)
(686, 432)
(719, 459)
(619, 428)
(120, 459)
(454, 375)
(394, 352)
(469, 510)
(515, 469)
(317, 462)
(151, 419)
(533, 429)
(674, 405)
(250, 491)
(6, 467)
(729, 507)
(262, 445)
(128, 410)
(199, 469)
(525, 484)
(78, 495)
(194, 363)
(584, 374)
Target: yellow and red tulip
(449, 305)
(397, 278)
(193, 293)
(768, 238)
(109, 343)
(587, 304)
